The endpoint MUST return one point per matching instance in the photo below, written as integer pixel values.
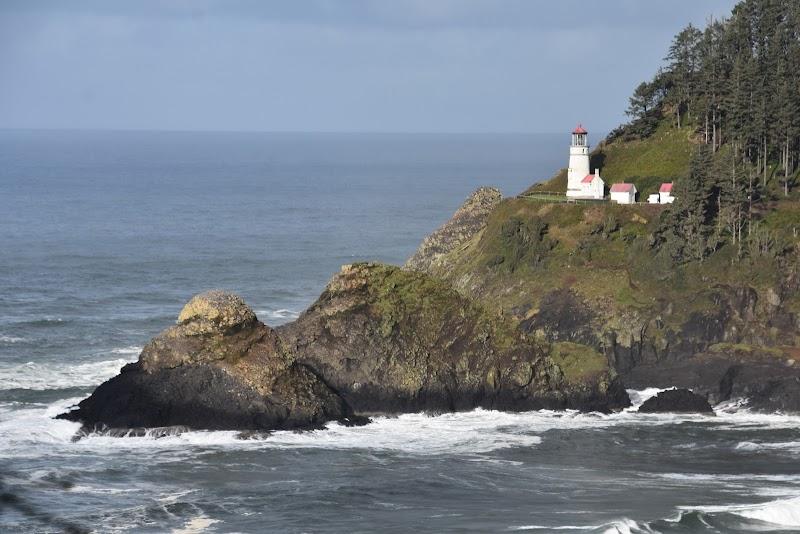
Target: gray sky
(328, 65)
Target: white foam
(781, 512)
(11, 339)
(752, 446)
(474, 432)
(44, 376)
(622, 526)
(717, 477)
(132, 349)
(196, 525)
(283, 314)
(639, 397)
(543, 527)
(626, 526)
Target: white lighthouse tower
(580, 183)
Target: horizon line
(286, 132)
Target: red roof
(622, 188)
(588, 179)
(666, 188)
(579, 130)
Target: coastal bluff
(379, 340)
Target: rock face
(218, 368)
(467, 221)
(676, 401)
(390, 340)
(768, 377)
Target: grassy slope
(662, 157)
(615, 272)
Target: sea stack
(218, 368)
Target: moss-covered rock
(391, 340)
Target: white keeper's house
(581, 183)
(623, 193)
(665, 194)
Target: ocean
(105, 235)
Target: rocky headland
(586, 275)
(379, 340)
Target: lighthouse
(580, 183)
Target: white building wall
(599, 188)
(624, 197)
(666, 198)
(578, 169)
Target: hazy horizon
(365, 66)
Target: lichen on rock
(218, 368)
(465, 223)
(214, 311)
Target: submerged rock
(218, 368)
(676, 401)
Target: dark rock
(219, 368)
(563, 316)
(392, 341)
(677, 401)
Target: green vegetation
(647, 163)
(741, 348)
(402, 297)
(579, 363)
(733, 83)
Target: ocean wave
(717, 477)
(753, 446)
(22, 431)
(48, 376)
(283, 314)
(11, 339)
(622, 526)
(467, 433)
(132, 349)
(640, 396)
(196, 525)
(43, 321)
(784, 513)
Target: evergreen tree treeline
(737, 82)
(736, 86)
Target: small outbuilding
(623, 193)
(665, 194)
(592, 186)
(653, 199)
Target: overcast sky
(328, 65)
